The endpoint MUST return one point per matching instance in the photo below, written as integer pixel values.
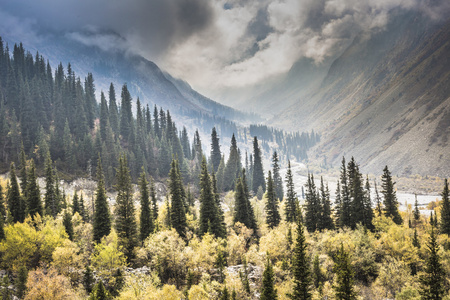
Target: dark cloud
(146, 26)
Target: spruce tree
(277, 180)
(313, 207)
(345, 214)
(88, 279)
(338, 205)
(99, 292)
(23, 171)
(416, 212)
(216, 156)
(21, 281)
(258, 171)
(368, 211)
(291, 197)
(68, 225)
(34, 204)
(231, 170)
(432, 282)
(355, 185)
(102, 218)
(268, 290)
(126, 116)
(445, 210)
(51, 199)
(243, 210)
(344, 289)
(146, 220)
(16, 205)
(113, 111)
(390, 198)
(326, 222)
(300, 267)
(272, 214)
(75, 204)
(415, 241)
(378, 208)
(154, 203)
(125, 217)
(220, 217)
(177, 210)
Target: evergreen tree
(221, 226)
(337, 205)
(268, 290)
(102, 218)
(416, 212)
(16, 205)
(125, 216)
(113, 111)
(23, 171)
(34, 204)
(51, 199)
(272, 214)
(21, 282)
(300, 267)
(432, 282)
(415, 241)
(104, 117)
(344, 289)
(368, 211)
(75, 204)
(326, 222)
(277, 180)
(220, 174)
(88, 279)
(216, 155)
(445, 210)
(258, 171)
(243, 210)
(390, 198)
(126, 116)
(312, 206)
(318, 276)
(378, 208)
(232, 167)
(83, 212)
(291, 197)
(154, 203)
(99, 292)
(185, 144)
(357, 213)
(146, 220)
(345, 215)
(177, 212)
(68, 225)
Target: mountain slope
(385, 100)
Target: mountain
(385, 100)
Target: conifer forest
(170, 210)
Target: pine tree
(313, 207)
(268, 290)
(415, 241)
(88, 279)
(23, 171)
(16, 205)
(232, 167)
(433, 281)
(258, 171)
(34, 204)
(277, 180)
(272, 214)
(445, 210)
(220, 216)
(154, 203)
(378, 200)
(243, 210)
(146, 220)
(21, 281)
(291, 197)
(345, 214)
(104, 117)
(68, 225)
(99, 292)
(326, 222)
(177, 210)
(318, 276)
(113, 111)
(102, 218)
(51, 199)
(125, 217)
(216, 155)
(390, 198)
(344, 289)
(300, 267)
(416, 212)
(126, 116)
(368, 211)
(357, 213)
(337, 205)
(83, 212)
(75, 204)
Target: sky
(212, 44)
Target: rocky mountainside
(385, 100)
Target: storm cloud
(213, 44)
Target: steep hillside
(385, 100)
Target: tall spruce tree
(2, 205)
(432, 282)
(124, 211)
(113, 111)
(177, 208)
(445, 210)
(34, 204)
(326, 221)
(16, 205)
(216, 155)
(67, 223)
(343, 288)
(232, 167)
(291, 197)
(154, 203)
(378, 208)
(146, 220)
(272, 215)
(243, 210)
(221, 225)
(102, 217)
(50, 198)
(390, 197)
(277, 180)
(337, 205)
(258, 171)
(268, 290)
(416, 212)
(300, 267)
(312, 206)
(368, 211)
(345, 208)
(76, 204)
(23, 170)
(126, 116)
(209, 210)
(355, 185)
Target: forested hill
(56, 114)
